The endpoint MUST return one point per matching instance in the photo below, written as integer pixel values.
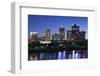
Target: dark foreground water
(74, 54)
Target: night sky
(39, 23)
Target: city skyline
(39, 23)
(57, 37)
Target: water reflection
(74, 54)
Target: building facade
(62, 33)
(48, 35)
(33, 36)
(55, 36)
(82, 35)
(69, 35)
(75, 33)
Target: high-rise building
(69, 35)
(33, 36)
(82, 35)
(48, 35)
(55, 37)
(62, 33)
(75, 28)
(75, 32)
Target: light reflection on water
(74, 54)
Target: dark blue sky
(39, 23)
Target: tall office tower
(62, 33)
(55, 37)
(82, 35)
(33, 36)
(75, 32)
(48, 35)
(69, 35)
(75, 28)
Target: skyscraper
(75, 32)
(75, 28)
(48, 35)
(33, 36)
(62, 33)
(82, 35)
(69, 34)
(55, 37)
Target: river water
(74, 54)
